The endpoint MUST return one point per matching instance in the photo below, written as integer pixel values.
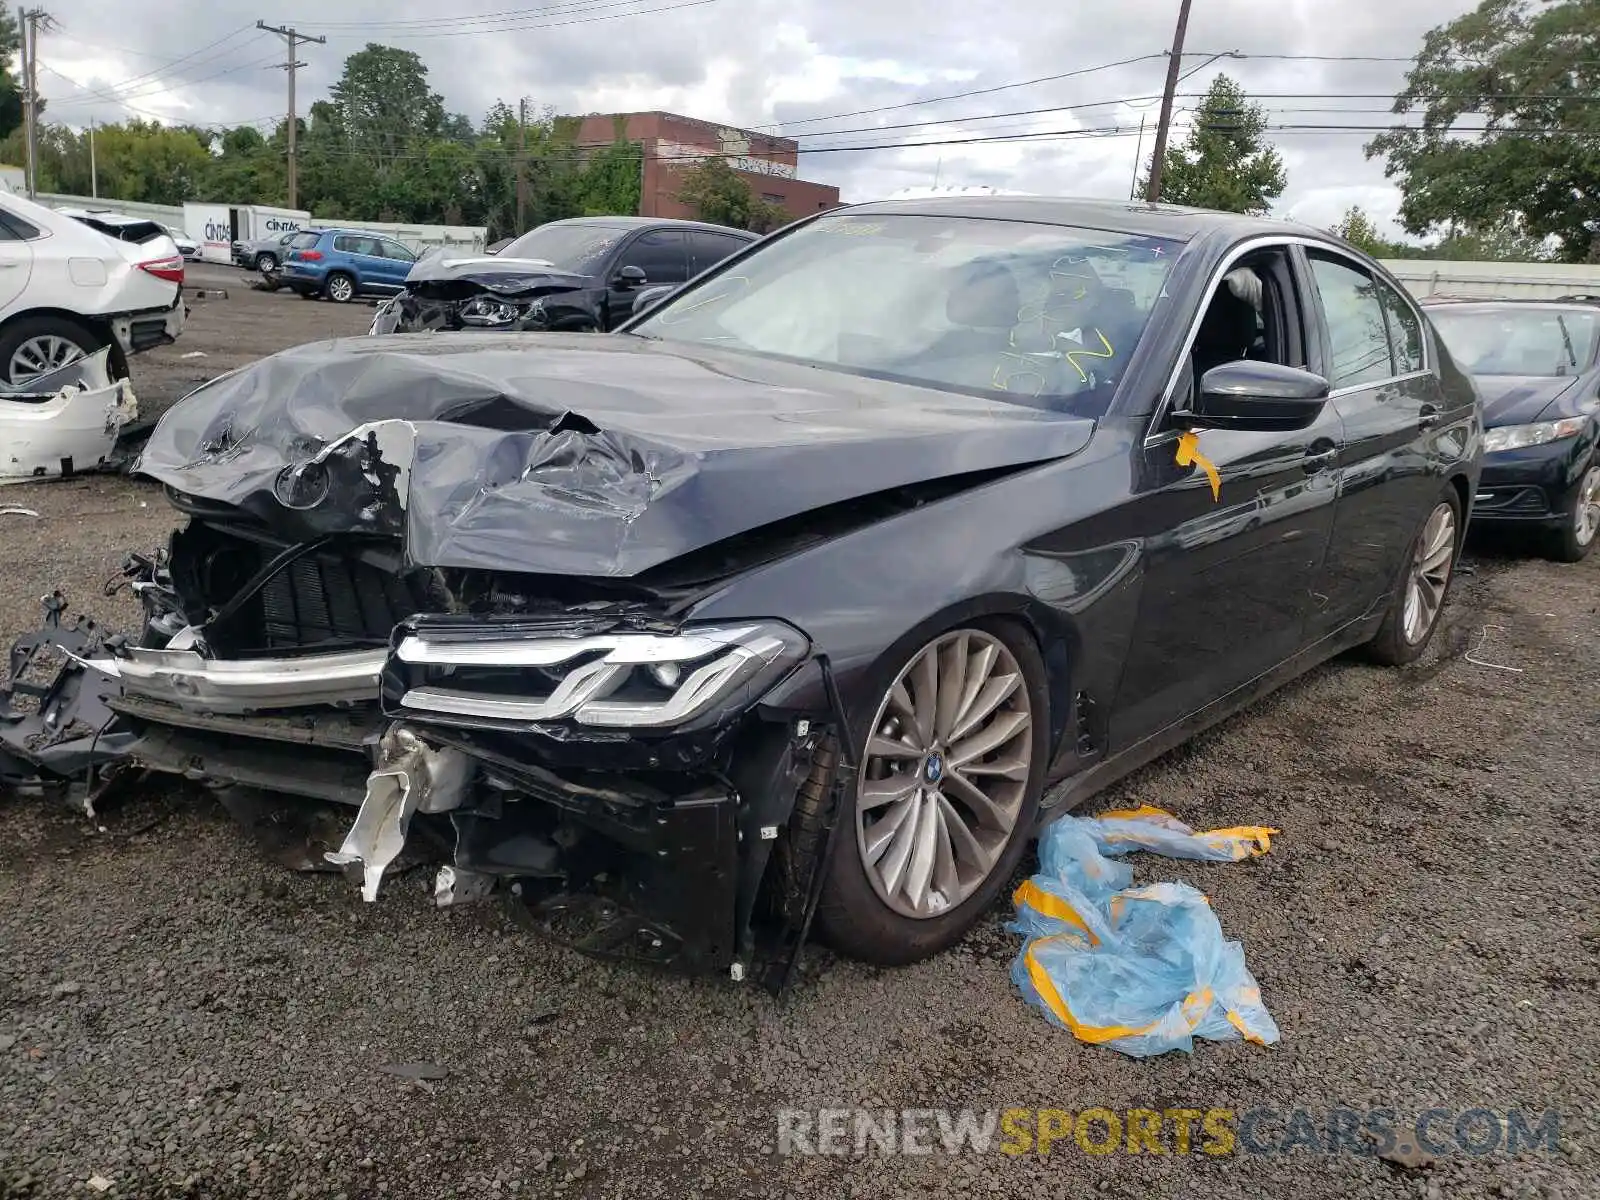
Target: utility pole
(28, 20)
(94, 174)
(522, 164)
(1164, 124)
(292, 41)
(1138, 160)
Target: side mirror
(629, 277)
(1258, 396)
(652, 296)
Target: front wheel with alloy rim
(945, 796)
(341, 289)
(1576, 536)
(1413, 614)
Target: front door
(1227, 582)
(663, 257)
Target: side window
(708, 249)
(345, 244)
(1358, 334)
(396, 251)
(1405, 331)
(14, 229)
(660, 254)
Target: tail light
(170, 269)
(308, 255)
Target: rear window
(304, 241)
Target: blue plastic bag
(1143, 970)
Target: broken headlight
(486, 310)
(513, 674)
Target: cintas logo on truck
(277, 225)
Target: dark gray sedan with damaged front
(793, 596)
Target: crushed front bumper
(650, 842)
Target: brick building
(769, 164)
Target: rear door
(363, 256)
(707, 248)
(1388, 397)
(16, 257)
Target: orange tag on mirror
(1189, 456)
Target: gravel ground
(181, 1017)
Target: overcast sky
(798, 67)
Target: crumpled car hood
(507, 276)
(579, 454)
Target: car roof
(1173, 221)
(642, 222)
(1568, 303)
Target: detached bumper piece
(55, 733)
(64, 422)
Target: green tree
(715, 192)
(610, 180)
(386, 105)
(1225, 162)
(10, 88)
(1528, 73)
(1359, 230)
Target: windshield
(1524, 340)
(576, 248)
(1047, 315)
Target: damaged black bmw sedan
(794, 595)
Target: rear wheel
(1576, 536)
(1413, 614)
(35, 346)
(339, 288)
(945, 798)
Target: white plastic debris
(454, 886)
(63, 422)
(411, 777)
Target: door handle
(1429, 416)
(1320, 456)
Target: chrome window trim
(1155, 435)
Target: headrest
(985, 297)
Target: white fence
(418, 237)
(1493, 280)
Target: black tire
(19, 333)
(266, 263)
(1391, 646)
(851, 917)
(330, 285)
(1573, 540)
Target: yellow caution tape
(1189, 455)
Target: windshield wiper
(1566, 338)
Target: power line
(149, 90)
(543, 10)
(156, 72)
(521, 25)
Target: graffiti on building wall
(732, 145)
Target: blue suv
(342, 264)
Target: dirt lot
(184, 1018)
